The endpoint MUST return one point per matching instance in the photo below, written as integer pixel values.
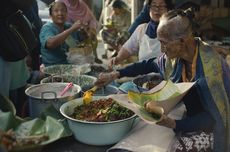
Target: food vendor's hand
(167, 122)
(153, 107)
(106, 78)
(76, 25)
(112, 62)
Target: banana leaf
(166, 95)
(50, 127)
(169, 90)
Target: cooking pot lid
(81, 80)
(51, 90)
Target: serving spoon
(87, 96)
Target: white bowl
(96, 133)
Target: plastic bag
(80, 55)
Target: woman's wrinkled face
(59, 13)
(172, 47)
(156, 9)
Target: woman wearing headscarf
(79, 11)
(54, 34)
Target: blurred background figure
(79, 11)
(203, 19)
(115, 30)
(33, 60)
(13, 74)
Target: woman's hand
(153, 107)
(167, 122)
(106, 78)
(112, 62)
(76, 25)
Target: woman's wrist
(115, 75)
(116, 60)
(173, 124)
(68, 31)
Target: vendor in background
(188, 59)
(204, 20)
(79, 11)
(53, 35)
(144, 40)
(115, 31)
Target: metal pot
(96, 133)
(43, 95)
(81, 80)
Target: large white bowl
(96, 133)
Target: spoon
(69, 85)
(87, 96)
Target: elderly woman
(54, 34)
(79, 11)
(144, 40)
(187, 59)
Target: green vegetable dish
(102, 110)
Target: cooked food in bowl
(96, 69)
(150, 84)
(148, 81)
(60, 69)
(96, 132)
(102, 110)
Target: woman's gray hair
(179, 23)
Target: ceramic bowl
(96, 133)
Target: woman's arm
(130, 47)
(123, 54)
(129, 71)
(201, 121)
(58, 39)
(139, 68)
(197, 117)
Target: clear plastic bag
(80, 55)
